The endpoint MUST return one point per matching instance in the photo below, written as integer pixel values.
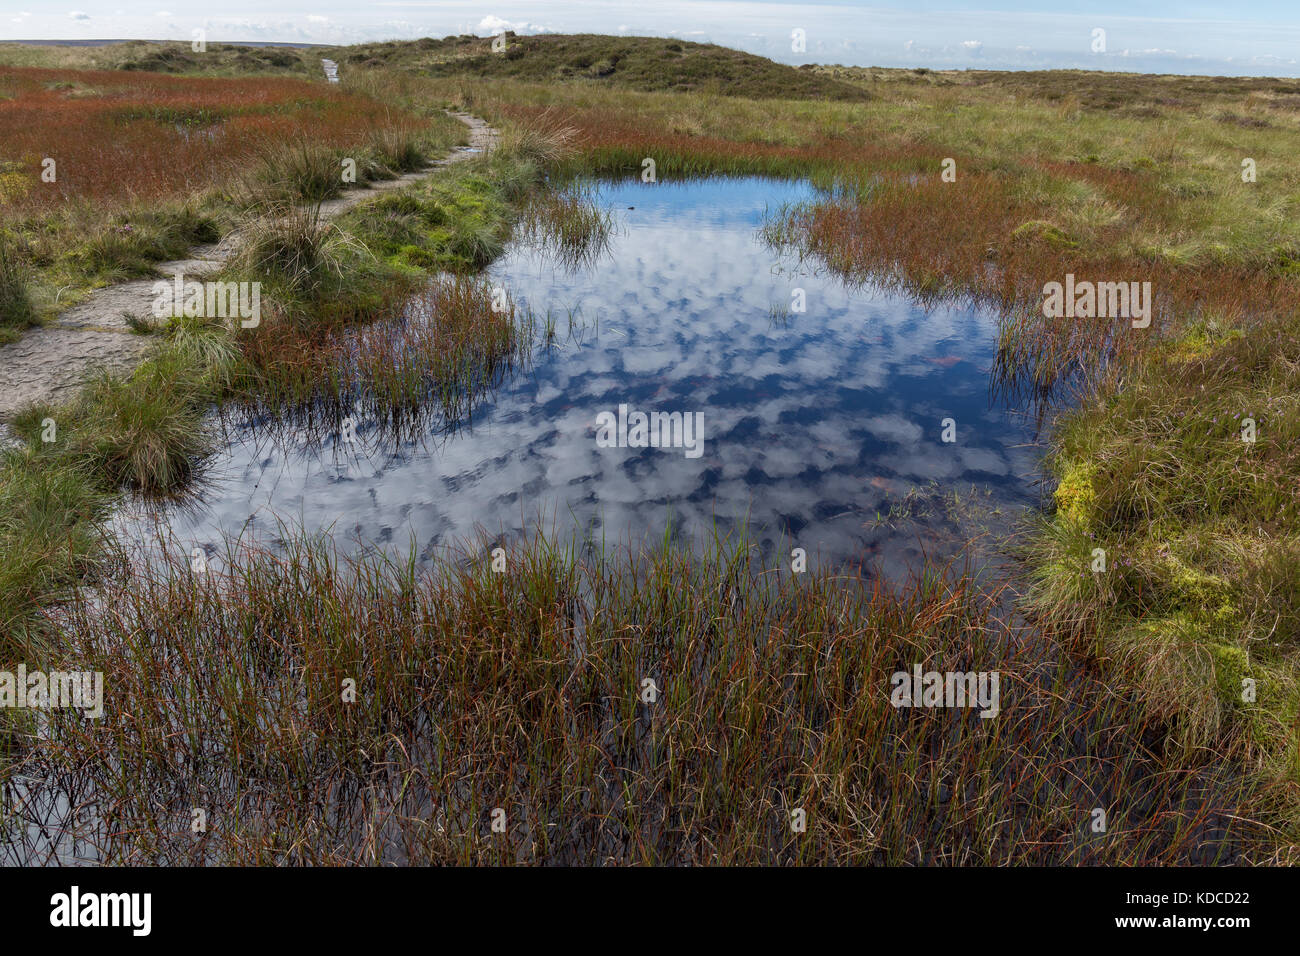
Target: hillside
(632, 63)
(638, 63)
(153, 56)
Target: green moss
(456, 224)
(1205, 571)
(1076, 495)
(1198, 341)
(1231, 665)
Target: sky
(1248, 38)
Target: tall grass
(525, 691)
(200, 152)
(301, 170)
(146, 429)
(568, 224)
(1200, 595)
(16, 308)
(440, 350)
(295, 253)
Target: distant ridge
(112, 42)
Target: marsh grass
(301, 170)
(202, 153)
(16, 308)
(1199, 527)
(523, 690)
(568, 224)
(426, 365)
(143, 430)
(520, 690)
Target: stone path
(50, 361)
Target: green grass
(129, 245)
(142, 430)
(219, 59)
(638, 63)
(1201, 531)
(145, 429)
(49, 538)
(16, 309)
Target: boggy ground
(1124, 686)
(1113, 177)
(50, 361)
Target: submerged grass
(521, 690)
(310, 351)
(325, 710)
(568, 224)
(435, 357)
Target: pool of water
(819, 410)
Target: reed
(524, 691)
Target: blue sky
(1252, 38)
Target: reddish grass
(938, 238)
(119, 137)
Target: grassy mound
(1174, 549)
(649, 64)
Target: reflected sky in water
(814, 422)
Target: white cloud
(78, 15)
(492, 24)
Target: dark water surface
(814, 422)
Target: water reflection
(816, 423)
